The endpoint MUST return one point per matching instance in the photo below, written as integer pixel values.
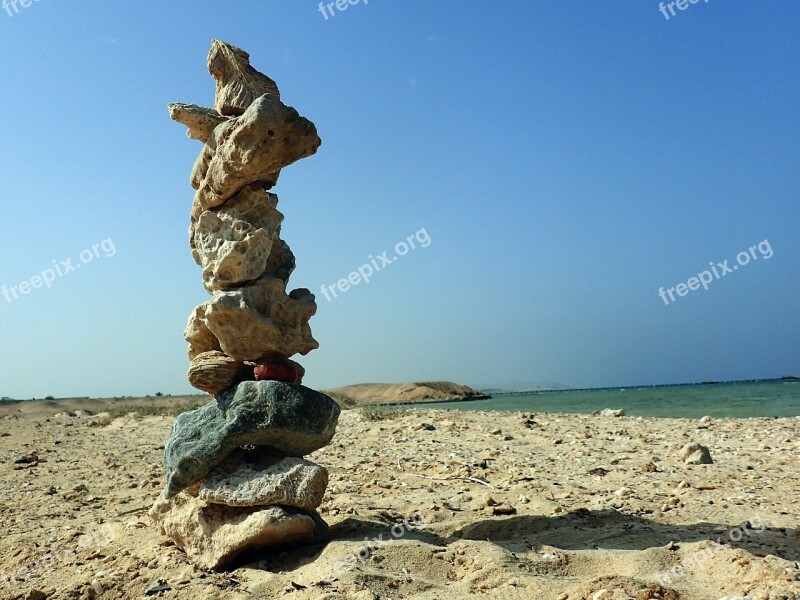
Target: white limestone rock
(198, 334)
(213, 535)
(251, 149)
(238, 84)
(695, 453)
(261, 319)
(612, 412)
(234, 242)
(200, 121)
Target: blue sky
(567, 159)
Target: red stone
(273, 370)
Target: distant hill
(404, 393)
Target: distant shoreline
(772, 398)
(785, 379)
(476, 395)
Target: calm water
(757, 399)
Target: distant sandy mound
(394, 393)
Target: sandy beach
(428, 505)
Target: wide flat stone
(251, 478)
(290, 418)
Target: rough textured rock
(252, 478)
(258, 208)
(290, 418)
(232, 253)
(200, 168)
(238, 84)
(234, 243)
(250, 323)
(281, 261)
(251, 148)
(200, 121)
(261, 320)
(214, 372)
(255, 206)
(198, 334)
(695, 454)
(212, 535)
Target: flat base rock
(213, 535)
(290, 418)
(251, 478)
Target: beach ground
(424, 504)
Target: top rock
(238, 84)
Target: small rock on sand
(694, 453)
(612, 412)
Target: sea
(767, 398)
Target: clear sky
(566, 159)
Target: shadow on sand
(578, 530)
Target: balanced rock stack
(236, 477)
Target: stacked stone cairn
(236, 480)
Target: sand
(581, 507)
